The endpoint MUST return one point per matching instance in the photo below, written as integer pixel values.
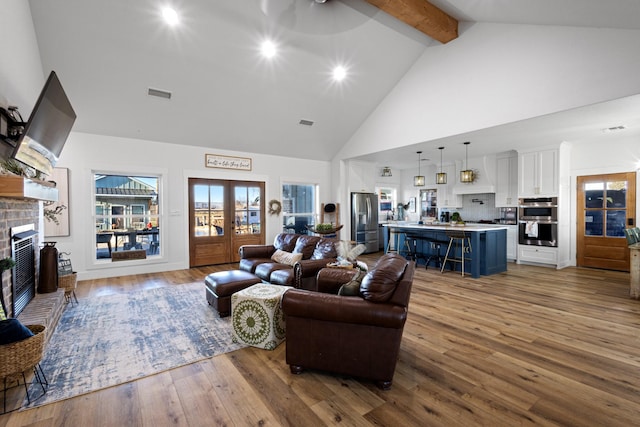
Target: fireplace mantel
(24, 188)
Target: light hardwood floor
(532, 346)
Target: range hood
(485, 171)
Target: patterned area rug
(109, 340)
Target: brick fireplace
(15, 212)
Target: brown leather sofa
(316, 253)
(352, 335)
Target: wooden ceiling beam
(423, 16)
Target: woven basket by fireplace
(17, 357)
(21, 356)
(68, 282)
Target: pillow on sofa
(285, 241)
(352, 287)
(380, 283)
(325, 249)
(283, 257)
(306, 245)
(11, 330)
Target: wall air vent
(614, 129)
(306, 122)
(159, 93)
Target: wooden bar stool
(458, 239)
(392, 244)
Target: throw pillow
(352, 287)
(3, 316)
(11, 330)
(283, 257)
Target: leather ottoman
(221, 285)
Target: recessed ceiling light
(339, 73)
(170, 16)
(268, 49)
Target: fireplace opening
(23, 253)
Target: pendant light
(386, 171)
(418, 180)
(467, 174)
(441, 177)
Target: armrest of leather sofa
(342, 309)
(256, 251)
(309, 268)
(329, 280)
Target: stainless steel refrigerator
(364, 220)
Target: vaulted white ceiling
(225, 95)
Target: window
(126, 214)
(299, 207)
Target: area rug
(109, 340)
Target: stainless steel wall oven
(538, 221)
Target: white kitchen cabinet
(537, 254)
(446, 197)
(512, 242)
(507, 180)
(538, 173)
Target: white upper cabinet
(507, 179)
(362, 177)
(538, 173)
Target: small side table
(257, 316)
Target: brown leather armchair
(351, 335)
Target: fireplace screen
(23, 253)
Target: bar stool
(457, 239)
(435, 254)
(414, 240)
(394, 235)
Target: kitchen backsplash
(476, 207)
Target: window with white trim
(299, 206)
(127, 214)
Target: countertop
(445, 226)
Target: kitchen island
(488, 244)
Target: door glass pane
(593, 223)
(216, 215)
(255, 207)
(594, 195)
(247, 210)
(201, 204)
(241, 204)
(617, 194)
(616, 220)
(209, 210)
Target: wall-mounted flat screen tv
(47, 129)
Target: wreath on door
(275, 207)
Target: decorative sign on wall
(227, 162)
(56, 214)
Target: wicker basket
(68, 282)
(20, 356)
